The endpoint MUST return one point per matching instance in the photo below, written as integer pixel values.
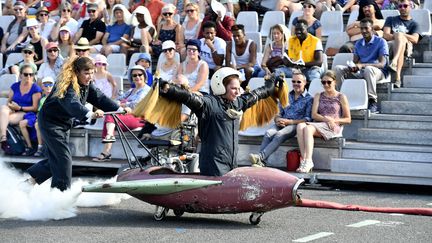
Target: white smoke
(21, 200)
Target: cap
(20, 3)
(82, 44)
(144, 56)
(194, 42)
(31, 22)
(100, 59)
(218, 7)
(65, 28)
(51, 45)
(168, 44)
(48, 79)
(42, 9)
(28, 47)
(93, 6)
(310, 2)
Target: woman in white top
(52, 64)
(168, 64)
(191, 24)
(103, 80)
(45, 22)
(194, 69)
(143, 32)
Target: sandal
(103, 158)
(3, 139)
(393, 67)
(109, 139)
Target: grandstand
(394, 146)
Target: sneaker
(256, 160)
(39, 152)
(373, 107)
(28, 151)
(397, 84)
(109, 139)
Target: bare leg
(23, 127)
(38, 134)
(300, 138)
(4, 119)
(399, 46)
(308, 137)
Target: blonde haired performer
(66, 103)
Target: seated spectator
(46, 24)
(370, 60)
(368, 9)
(54, 6)
(330, 111)
(223, 23)
(144, 60)
(154, 7)
(194, 69)
(191, 24)
(66, 44)
(9, 42)
(394, 4)
(117, 29)
(23, 100)
(103, 80)
(304, 52)
(243, 52)
(82, 47)
(402, 32)
(83, 10)
(285, 127)
(288, 7)
(314, 25)
(33, 37)
(168, 29)
(76, 7)
(47, 85)
(52, 64)
(107, 12)
(212, 47)
(65, 20)
(29, 57)
(142, 34)
(93, 28)
(168, 65)
(345, 5)
(129, 99)
(274, 51)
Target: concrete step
(412, 94)
(424, 71)
(427, 56)
(395, 136)
(382, 167)
(377, 151)
(389, 121)
(417, 81)
(406, 107)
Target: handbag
(274, 62)
(293, 159)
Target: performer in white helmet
(219, 117)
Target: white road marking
(397, 214)
(429, 204)
(363, 223)
(314, 237)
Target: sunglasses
(190, 10)
(167, 14)
(43, 15)
(18, 9)
(52, 50)
(28, 52)
(308, 6)
(137, 75)
(191, 49)
(83, 50)
(91, 11)
(168, 50)
(28, 74)
(48, 84)
(66, 10)
(100, 64)
(296, 81)
(326, 82)
(403, 5)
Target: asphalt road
(132, 221)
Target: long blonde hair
(68, 75)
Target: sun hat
(144, 56)
(168, 44)
(82, 44)
(100, 59)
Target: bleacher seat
(341, 59)
(356, 93)
(427, 4)
(249, 19)
(256, 131)
(117, 64)
(423, 18)
(390, 12)
(5, 21)
(3, 101)
(270, 19)
(256, 37)
(6, 81)
(1, 60)
(332, 22)
(133, 59)
(324, 65)
(270, 4)
(336, 40)
(259, 58)
(353, 17)
(315, 87)
(119, 81)
(295, 14)
(176, 18)
(13, 58)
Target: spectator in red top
(217, 14)
(52, 6)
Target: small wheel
(255, 218)
(160, 213)
(178, 212)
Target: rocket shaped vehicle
(244, 189)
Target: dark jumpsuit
(55, 120)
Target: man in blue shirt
(298, 110)
(370, 60)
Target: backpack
(14, 144)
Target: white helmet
(216, 83)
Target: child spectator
(103, 80)
(144, 60)
(47, 85)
